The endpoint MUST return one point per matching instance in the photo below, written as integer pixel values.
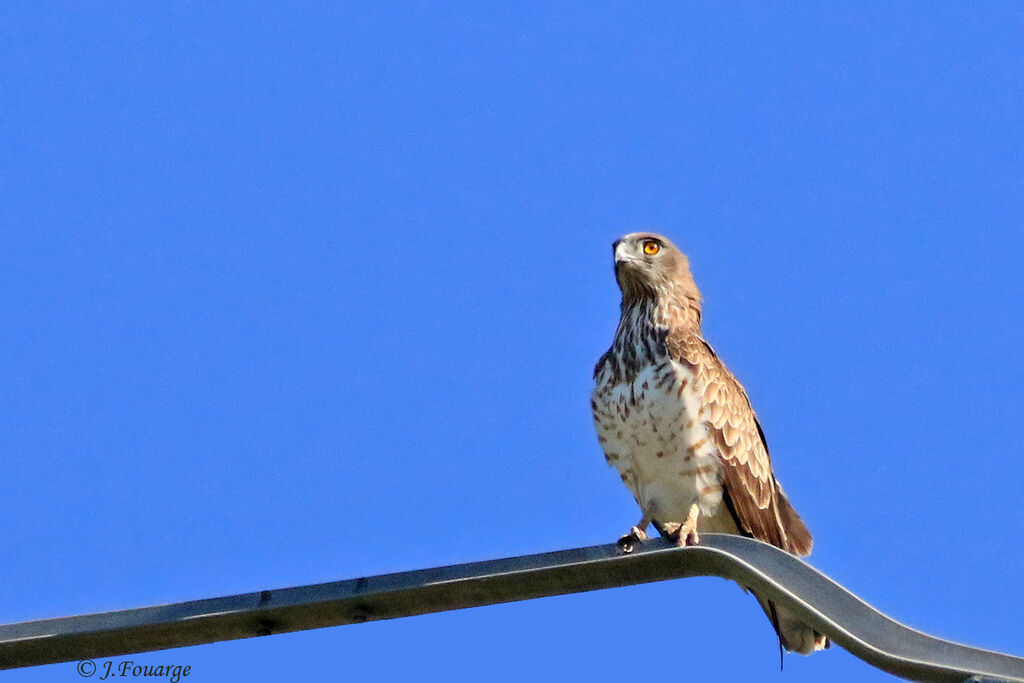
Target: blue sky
(300, 293)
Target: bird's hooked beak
(622, 255)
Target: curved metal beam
(830, 608)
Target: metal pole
(824, 604)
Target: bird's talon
(630, 541)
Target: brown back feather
(751, 492)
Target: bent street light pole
(821, 602)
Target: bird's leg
(687, 534)
(636, 536)
(682, 534)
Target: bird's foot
(686, 534)
(682, 537)
(630, 541)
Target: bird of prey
(679, 427)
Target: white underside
(653, 433)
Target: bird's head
(648, 265)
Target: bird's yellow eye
(651, 247)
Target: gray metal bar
(826, 605)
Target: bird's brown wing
(757, 502)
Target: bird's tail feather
(794, 635)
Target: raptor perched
(679, 427)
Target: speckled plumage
(679, 427)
